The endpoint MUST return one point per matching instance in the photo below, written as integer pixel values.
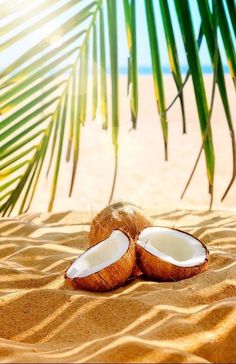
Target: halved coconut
(104, 266)
(120, 215)
(169, 254)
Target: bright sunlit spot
(99, 120)
(56, 40)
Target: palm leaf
(232, 12)
(28, 69)
(103, 80)
(83, 84)
(227, 39)
(29, 75)
(65, 28)
(157, 72)
(95, 61)
(215, 63)
(7, 107)
(38, 23)
(130, 19)
(207, 21)
(75, 120)
(185, 20)
(22, 18)
(173, 55)
(199, 42)
(112, 26)
(61, 123)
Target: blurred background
(36, 34)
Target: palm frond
(173, 55)
(130, 19)
(44, 92)
(215, 62)
(232, 13)
(227, 39)
(207, 21)
(103, 79)
(112, 26)
(95, 73)
(34, 76)
(184, 15)
(157, 72)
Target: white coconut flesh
(172, 246)
(99, 256)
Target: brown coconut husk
(110, 277)
(120, 215)
(158, 269)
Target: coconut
(120, 215)
(105, 266)
(165, 254)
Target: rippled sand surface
(42, 320)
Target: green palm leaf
(38, 23)
(130, 18)
(76, 125)
(173, 55)
(112, 26)
(61, 130)
(103, 80)
(207, 22)
(27, 76)
(95, 61)
(232, 12)
(186, 24)
(227, 39)
(157, 72)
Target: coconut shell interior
(161, 267)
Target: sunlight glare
(99, 120)
(56, 40)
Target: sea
(147, 70)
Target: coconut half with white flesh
(119, 215)
(167, 254)
(104, 266)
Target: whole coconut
(120, 215)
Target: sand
(143, 176)
(42, 320)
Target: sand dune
(42, 320)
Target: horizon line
(147, 70)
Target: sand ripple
(42, 320)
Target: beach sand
(143, 176)
(43, 320)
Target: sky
(144, 61)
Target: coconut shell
(158, 269)
(110, 277)
(120, 215)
